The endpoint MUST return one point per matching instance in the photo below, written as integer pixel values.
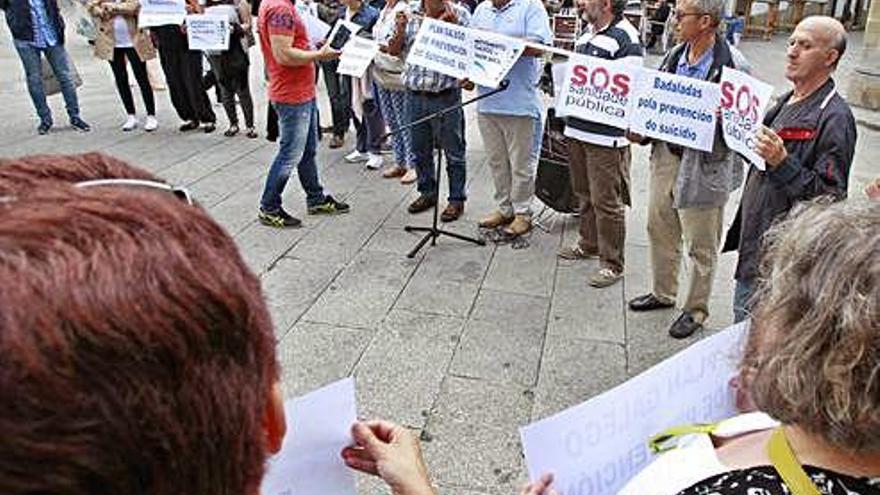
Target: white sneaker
(356, 156)
(150, 123)
(130, 123)
(374, 162)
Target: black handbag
(553, 181)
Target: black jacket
(820, 149)
(18, 17)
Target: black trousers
(183, 73)
(339, 92)
(120, 74)
(232, 85)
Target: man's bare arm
(286, 54)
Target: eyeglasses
(679, 15)
(179, 192)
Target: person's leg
(664, 226)
(332, 82)
(246, 100)
(588, 241)
(30, 60)
(389, 102)
(172, 60)
(142, 76)
(374, 125)
(272, 127)
(344, 103)
(294, 122)
(227, 96)
(701, 229)
(495, 143)
(607, 185)
(423, 144)
(520, 136)
(742, 299)
(452, 140)
(58, 59)
(120, 76)
(198, 97)
(307, 169)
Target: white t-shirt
(121, 35)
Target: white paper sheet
(161, 13)
(442, 47)
(597, 90)
(318, 428)
(356, 56)
(316, 29)
(594, 448)
(744, 101)
(207, 32)
(493, 57)
(676, 109)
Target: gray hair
(813, 357)
(712, 8)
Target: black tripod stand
(433, 232)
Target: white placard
(316, 29)
(596, 447)
(676, 109)
(161, 13)
(493, 57)
(597, 90)
(207, 32)
(744, 101)
(318, 428)
(442, 47)
(356, 56)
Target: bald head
(828, 31)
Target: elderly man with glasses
(689, 188)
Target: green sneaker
(279, 219)
(329, 207)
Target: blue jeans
(450, 135)
(742, 303)
(298, 129)
(57, 57)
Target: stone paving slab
(463, 343)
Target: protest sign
(316, 29)
(161, 13)
(442, 47)
(596, 447)
(744, 100)
(356, 56)
(493, 57)
(309, 462)
(207, 32)
(676, 109)
(597, 90)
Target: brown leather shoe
(495, 219)
(337, 142)
(452, 211)
(520, 225)
(394, 171)
(422, 203)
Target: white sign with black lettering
(442, 47)
(161, 13)
(356, 56)
(596, 447)
(207, 32)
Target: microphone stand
(433, 232)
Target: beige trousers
(508, 140)
(698, 229)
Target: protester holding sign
(431, 91)
(231, 66)
(290, 67)
(507, 119)
(387, 72)
(689, 187)
(183, 73)
(117, 38)
(808, 144)
(37, 29)
(600, 154)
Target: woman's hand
(540, 487)
(392, 452)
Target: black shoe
(648, 302)
(422, 203)
(209, 127)
(43, 128)
(279, 219)
(684, 326)
(80, 124)
(189, 125)
(329, 207)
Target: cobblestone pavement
(464, 343)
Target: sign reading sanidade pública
(597, 90)
(675, 109)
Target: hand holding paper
(770, 147)
(391, 452)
